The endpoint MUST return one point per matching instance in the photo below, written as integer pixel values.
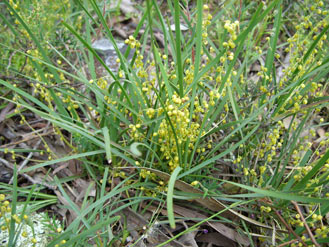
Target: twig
(6, 163)
(21, 166)
(16, 78)
(23, 66)
(52, 187)
(287, 243)
(305, 224)
(27, 139)
(289, 228)
(10, 59)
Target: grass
(231, 114)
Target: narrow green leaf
(178, 48)
(107, 141)
(12, 225)
(170, 194)
(281, 195)
(66, 158)
(134, 149)
(91, 232)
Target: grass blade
(170, 194)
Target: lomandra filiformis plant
(241, 91)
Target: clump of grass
(184, 108)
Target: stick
(305, 224)
(289, 228)
(287, 243)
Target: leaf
(182, 27)
(134, 149)
(107, 141)
(219, 227)
(216, 239)
(229, 233)
(170, 195)
(284, 195)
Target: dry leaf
(188, 239)
(72, 214)
(229, 233)
(127, 7)
(182, 27)
(153, 235)
(216, 239)
(6, 111)
(209, 203)
(219, 227)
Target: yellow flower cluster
(189, 74)
(315, 221)
(138, 64)
(205, 23)
(175, 129)
(42, 17)
(45, 16)
(135, 132)
(132, 42)
(232, 29)
(301, 41)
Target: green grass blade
(179, 65)
(274, 40)
(281, 195)
(12, 225)
(66, 158)
(170, 194)
(107, 144)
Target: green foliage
(234, 90)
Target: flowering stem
(178, 48)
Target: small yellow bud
(194, 183)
